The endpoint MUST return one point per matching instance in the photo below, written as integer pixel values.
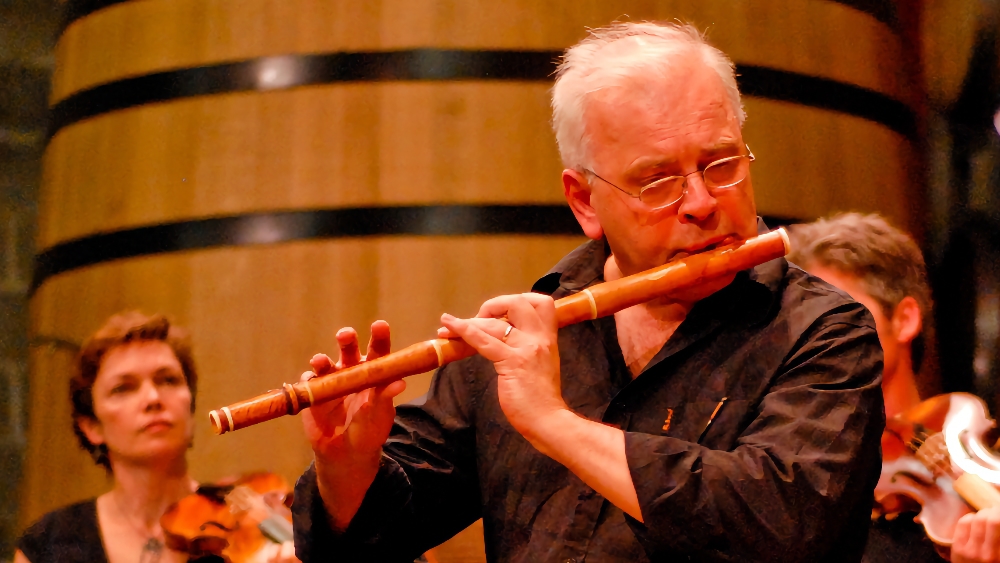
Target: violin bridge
(240, 500)
(933, 454)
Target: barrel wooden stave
(812, 162)
(138, 38)
(948, 37)
(330, 146)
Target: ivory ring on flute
(506, 333)
(784, 238)
(214, 415)
(229, 417)
(440, 352)
(293, 399)
(593, 303)
(309, 391)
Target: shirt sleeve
(426, 489)
(802, 473)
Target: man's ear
(906, 320)
(577, 192)
(92, 429)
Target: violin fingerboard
(277, 529)
(933, 453)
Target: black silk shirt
(753, 435)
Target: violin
(935, 462)
(234, 521)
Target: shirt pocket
(689, 421)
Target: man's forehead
(727, 146)
(662, 103)
(707, 126)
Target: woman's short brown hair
(131, 326)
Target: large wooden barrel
(948, 34)
(269, 170)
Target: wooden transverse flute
(593, 302)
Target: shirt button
(569, 560)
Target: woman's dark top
(72, 535)
(68, 535)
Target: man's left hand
(526, 359)
(977, 537)
(519, 334)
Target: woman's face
(142, 404)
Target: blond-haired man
(881, 267)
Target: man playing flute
(736, 422)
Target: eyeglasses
(718, 176)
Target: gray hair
(639, 49)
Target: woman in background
(133, 404)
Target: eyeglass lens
(721, 174)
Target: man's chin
(701, 291)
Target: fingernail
(447, 317)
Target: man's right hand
(977, 537)
(347, 435)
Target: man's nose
(698, 204)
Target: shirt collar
(582, 267)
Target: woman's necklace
(152, 550)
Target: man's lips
(710, 244)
